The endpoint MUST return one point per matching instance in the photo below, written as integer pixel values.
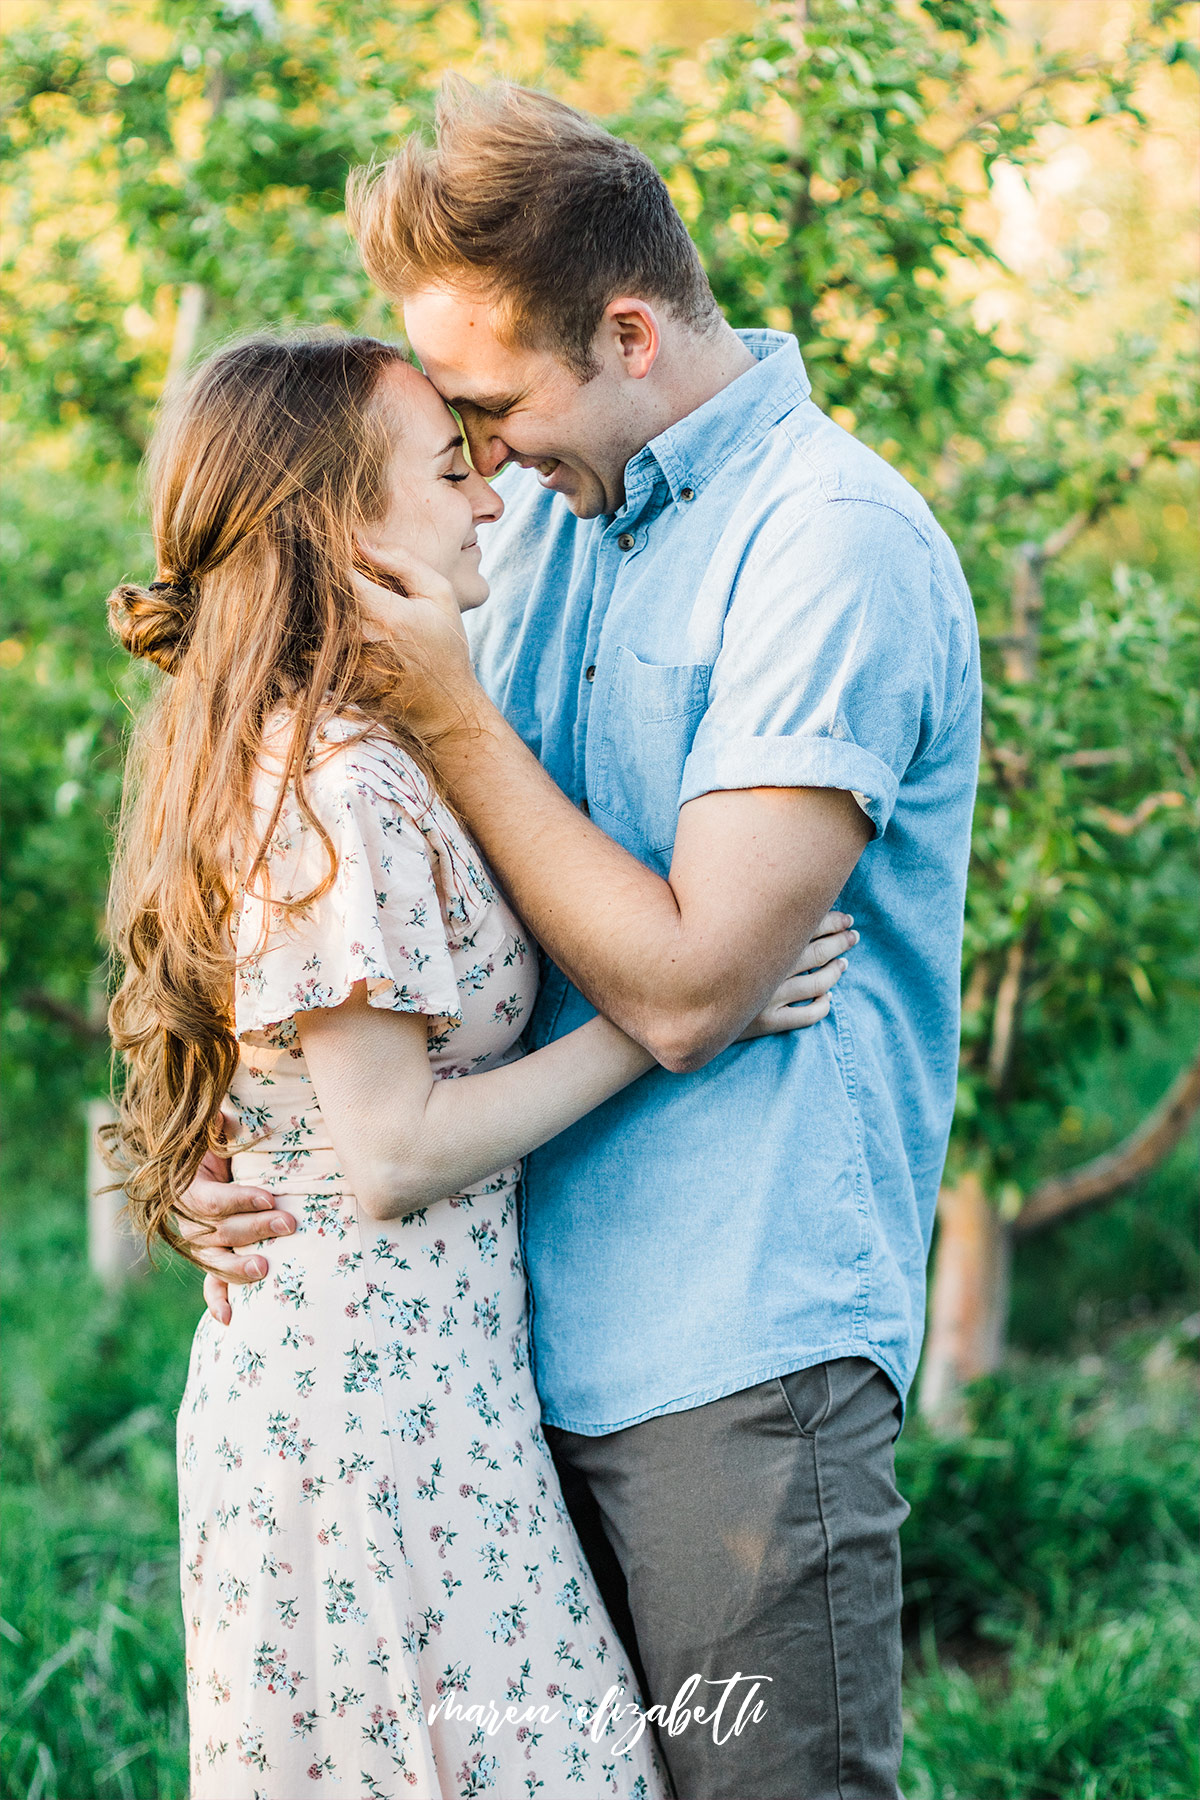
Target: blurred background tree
(972, 216)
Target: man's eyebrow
(487, 403)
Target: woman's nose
(486, 504)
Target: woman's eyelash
(454, 477)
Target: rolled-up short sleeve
(379, 921)
(831, 671)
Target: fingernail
(849, 918)
(842, 963)
(263, 1202)
(279, 1226)
(256, 1267)
(854, 937)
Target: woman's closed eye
(455, 476)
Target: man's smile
(544, 465)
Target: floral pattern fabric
(383, 1594)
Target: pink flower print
(362, 1371)
(384, 1499)
(250, 1748)
(342, 1607)
(289, 1286)
(508, 1624)
(271, 1671)
(486, 1314)
(233, 1591)
(261, 1511)
(427, 1486)
(348, 1697)
(483, 1236)
(284, 1434)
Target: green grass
(1051, 1574)
(1096, 1711)
(1050, 1557)
(93, 1641)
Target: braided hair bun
(155, 621)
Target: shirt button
(687, 493)
(625, 541)
(589, 674)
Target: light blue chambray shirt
(788, 614)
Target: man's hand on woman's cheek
(425, 625)
(227, 1220)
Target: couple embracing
(578, 1481)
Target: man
(729, 675)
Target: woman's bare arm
(227, 1222)
(405, 1139)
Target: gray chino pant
(758, 1535)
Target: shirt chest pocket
(639, 737)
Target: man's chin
(585, 499)
(588, 502)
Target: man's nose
(489, 453)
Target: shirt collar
(689, 453)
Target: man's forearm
(672, 962)
(609, 922)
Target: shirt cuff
(794, 762)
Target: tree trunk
(113, 1252)
(969, 1303)
(189, 317)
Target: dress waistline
(307, 1172)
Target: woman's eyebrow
(455, 443)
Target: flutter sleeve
(385, 918)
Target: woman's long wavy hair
(262, 471)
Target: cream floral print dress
(382, 1592)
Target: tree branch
(1109, 494)
(1004, 1017)
(1088, 65)
(1108, 1175)
(1125, 824)
(1029, 563)
(1094, 759)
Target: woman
(382, 1590)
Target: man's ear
(633, 329)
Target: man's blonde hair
(537, 206)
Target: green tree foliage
(829, 189)
(827, 167)
(175, 171)
(216, 155)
